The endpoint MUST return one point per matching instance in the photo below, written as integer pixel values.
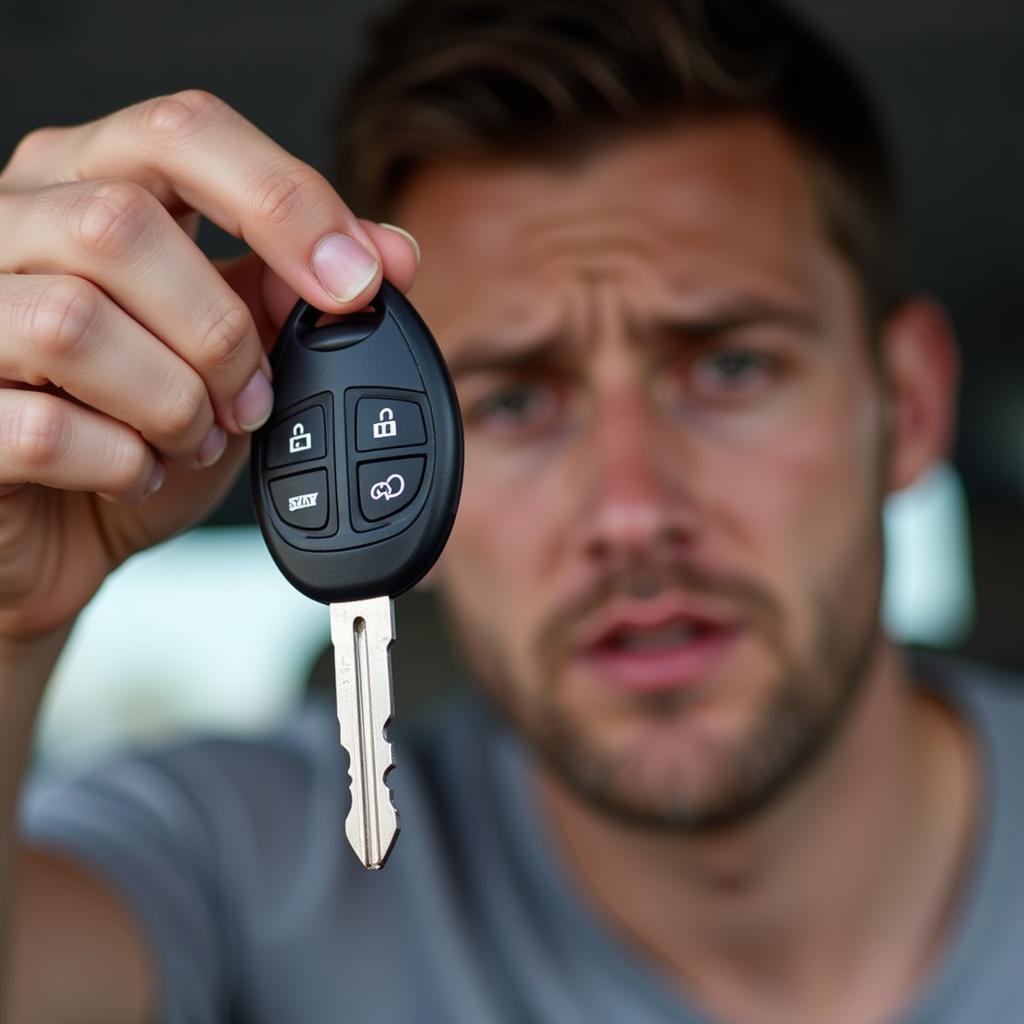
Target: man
(661, 255)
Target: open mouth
(647, 653)
(648, 640)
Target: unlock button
(298, 438)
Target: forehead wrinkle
(587, 241)
(522, 333)
(587, 301)
(691, 266)
(607, 311)
(678, 222)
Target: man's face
(667, 558)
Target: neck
(830, 904)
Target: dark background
(948, 74)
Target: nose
(638, 497)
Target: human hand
(132, 368)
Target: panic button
(387, 487)
(302, 500)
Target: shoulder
(196, 796)
(981, 967)
(990, 701)
(992, 697)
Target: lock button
(385, 425)
(388, 423)
(299, 438)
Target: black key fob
(356, 476)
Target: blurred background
(204, 633)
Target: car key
(356, 479)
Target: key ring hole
(326, 332)
(328, 319)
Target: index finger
(194, 148)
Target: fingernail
(156, 481)
(253, 406)
(409, 238)
(343, 267)
(213, 447)
(265, 366)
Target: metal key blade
(362, 633)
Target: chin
(699, 756)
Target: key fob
(356, 476)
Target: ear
(920, 368)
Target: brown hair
(548, 79)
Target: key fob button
(386, 487)
(388, 423)
(301, 500)
(299, 438)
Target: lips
(648, 640)
(656, 646)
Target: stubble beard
(807, 701)
(807, 704)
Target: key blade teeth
(362, 632)
(372, 838)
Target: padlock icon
(385, 425)
(300, 441)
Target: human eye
(731, 373)
(514, 409)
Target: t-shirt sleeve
(138, 823)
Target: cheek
(500, 553)
(809, 505)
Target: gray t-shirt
(234, 856)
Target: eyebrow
(732, 316)
(488, 356)
(508, 355)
